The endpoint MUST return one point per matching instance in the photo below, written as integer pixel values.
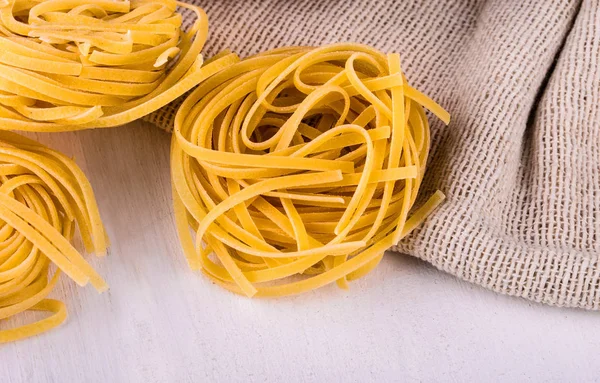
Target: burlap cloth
(520, 162)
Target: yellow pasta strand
(71, 65)
(44, 196)
(300, 162)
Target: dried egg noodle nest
(299, 162)
(74, 64)
(43, 197)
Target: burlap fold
(520, 162)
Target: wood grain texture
(159, 322)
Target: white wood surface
(159, 322)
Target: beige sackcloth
(520, 161)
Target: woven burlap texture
(520, 162)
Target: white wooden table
(159, 322)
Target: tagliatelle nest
(44, 196)
(68, 65)
(299, 161)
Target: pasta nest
(302, 162)
(69, 65)
(44, 197)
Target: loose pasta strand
(299, 162)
